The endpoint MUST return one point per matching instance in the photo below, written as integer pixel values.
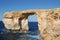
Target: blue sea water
(32, 35)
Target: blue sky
(20, 5)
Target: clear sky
(20, 5)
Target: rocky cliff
(48, 22)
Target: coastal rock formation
(15, 21)
(48, 22)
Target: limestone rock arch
(48, 22)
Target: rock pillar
(24, 24)
(49, 24)
(42, 22)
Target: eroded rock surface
(14, 21)
(48, 22)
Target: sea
(33, 33)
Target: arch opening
(33, 22)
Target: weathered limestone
(48, 22)
(14, 21)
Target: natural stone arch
(48, 22)
(25, 22)
(15, 16)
